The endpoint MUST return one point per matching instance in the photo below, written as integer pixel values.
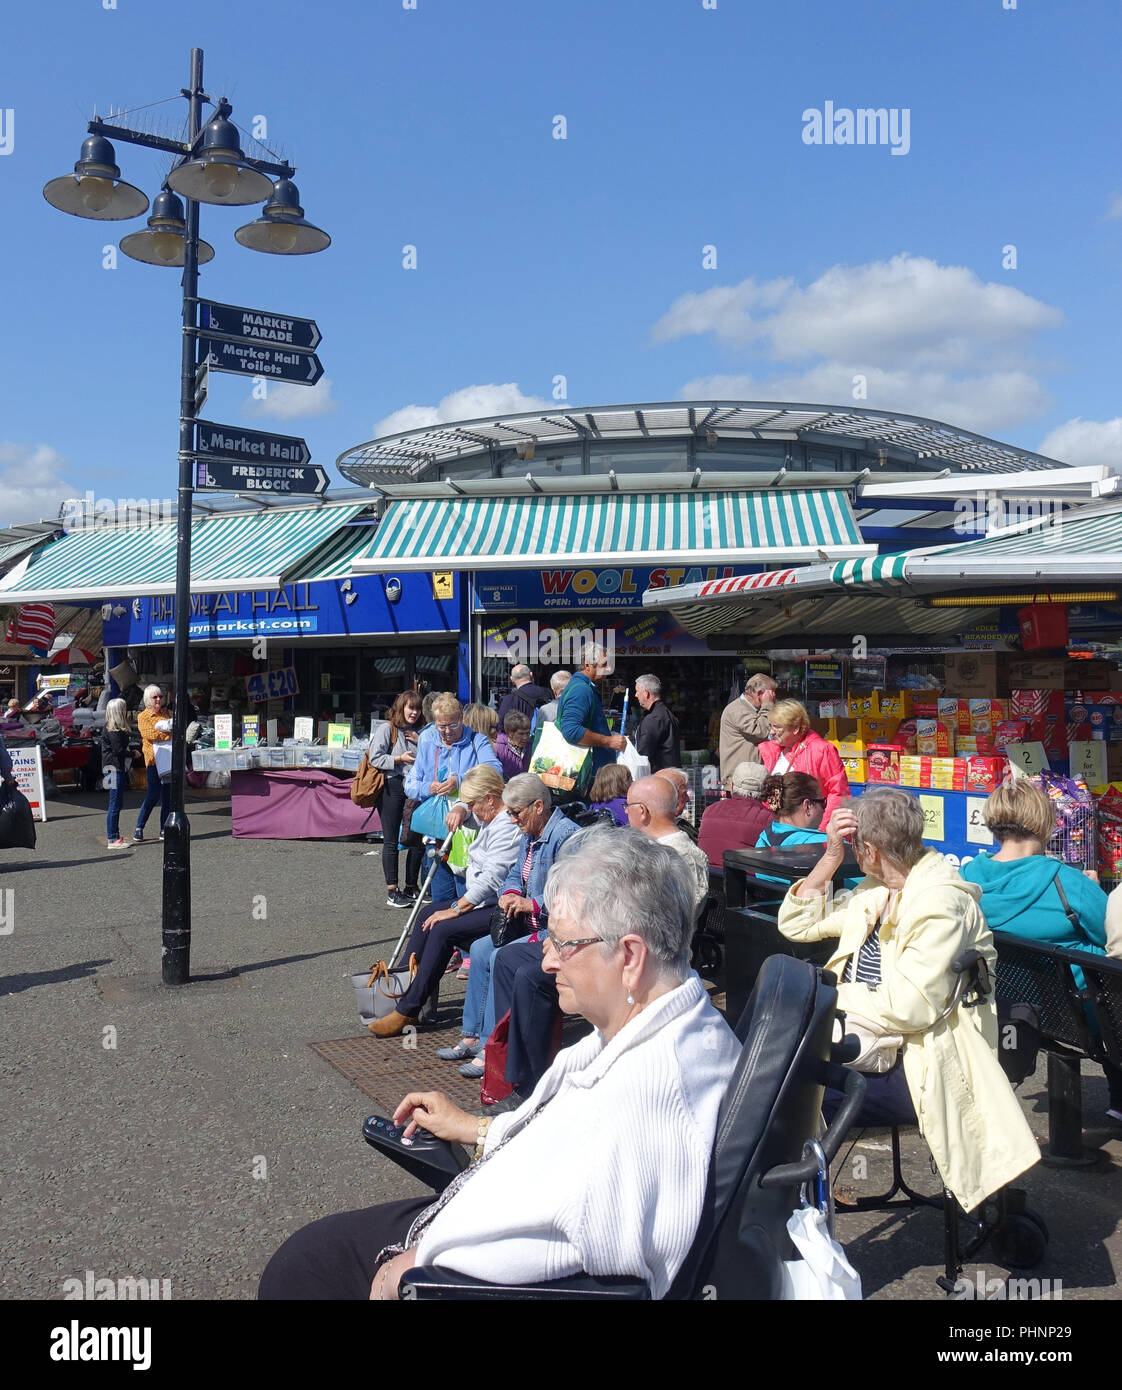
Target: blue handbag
(428, 817)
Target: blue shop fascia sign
(350, 607)
(577, 586)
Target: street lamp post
(212, 169)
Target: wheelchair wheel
(1021, 1240)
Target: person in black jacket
(525, 697)
(658, 738)
(114, 763)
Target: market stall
(1003, 665)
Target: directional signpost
(224, 475)
(255, 342)
(234, 442)
(254, 359)
(259, 326)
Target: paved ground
(181, 1135)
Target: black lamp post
(211, 169)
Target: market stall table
(306, 803)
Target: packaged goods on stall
(874, 730)
(882, 762)
(954, 712)
(1094, 716)
(1075, 840)
(1037, 703)
(985, 774)
(1011, 731)
(935, 738)
(897, 705)
(1110, 833)
(854, 768)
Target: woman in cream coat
(914, 906)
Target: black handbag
(506, 929)
(17, 820)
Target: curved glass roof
(909, 441)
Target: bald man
(650, 808)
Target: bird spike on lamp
(95, 188)
(219, 172)
(281, 229)
(162, 241)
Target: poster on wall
(27, 769)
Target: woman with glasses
(542, 831)
(155, 727)
(897, 937)
(793, 746)
(445, 926)
(797, 806)
(444, 759)
(604, 1168)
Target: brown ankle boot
(392, 1026)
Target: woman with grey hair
(155, 727)
(544, 829)
(115, 765)
(604, 1168)
(898, 934)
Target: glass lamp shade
(96, 189)
(163, 240)
(218, 173)
(282, 230)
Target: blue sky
(583, 257)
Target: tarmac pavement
(183, 1134)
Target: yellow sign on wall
(442, 584)
(932, 808)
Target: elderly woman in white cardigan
(603, 1168)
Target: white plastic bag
(630, 758)
(823, 1272)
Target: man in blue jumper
(580, 714)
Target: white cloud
(469, 403)
(984, 404)
(287, 401)
(936, 315)
(1086, 441)
(1114, 211)
(30, 486)
(929, 339)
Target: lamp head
(219, 173)
(281, 229)
(163, 240)
(95, 189)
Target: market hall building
(558, 523)
(459, 537)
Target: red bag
(494, 1086)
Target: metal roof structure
(908, 439)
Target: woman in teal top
(1029, 895)
(797, 806)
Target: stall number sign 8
(271, 685)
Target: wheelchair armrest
(431, 1283)
(978, 985)
(852, 1085)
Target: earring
(630, 997)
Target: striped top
(864, 967)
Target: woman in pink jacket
(795, 747)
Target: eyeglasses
(816, 800)
(447, 728)
(516, 815)
(630, 805)
(567, 949)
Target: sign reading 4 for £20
(271, 685)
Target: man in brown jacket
(744, 724)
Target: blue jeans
(155, 791)
(116, 801)
(445, 885)
(479, 1002)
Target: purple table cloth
(309, 803)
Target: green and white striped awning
(612, 528)
(243, 550)
(1060, 551)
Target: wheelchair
(1018, 1235)
(765, 1155)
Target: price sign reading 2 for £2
(271, 685)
